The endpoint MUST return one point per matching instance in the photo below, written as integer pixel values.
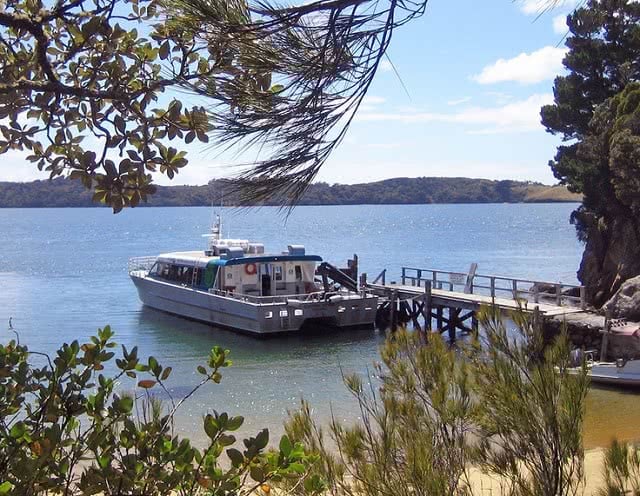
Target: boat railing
(140, 264)
(282, 299)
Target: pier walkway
(447, 298)
(453, 298)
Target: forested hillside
(64, 193)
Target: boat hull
(609, 374)
(268, 318)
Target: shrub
(66, 428)
(508, 406)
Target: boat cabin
(240, 267)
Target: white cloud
(459, 101)
(518, 116)
(500, 97)
(537, 7)
(526, 68)
(16, 168)
(560, 24)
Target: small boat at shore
(620, 372)
(235, 284)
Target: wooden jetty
(451, 299)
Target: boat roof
(267, 258)
(199, 258)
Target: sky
(476, 74)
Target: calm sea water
(63, 274)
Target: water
(63, 275)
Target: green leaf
(262, 439)
(235, 423)
(17, 430)
(164, 50)
(6, 487)
(211, 426)
(125, 404)
(298, 468)
(285, 445)
(235, 456)
(257, 473)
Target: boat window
(277, 270)
(298, 273)
(198, 281)
(163, 270)
(187, 275)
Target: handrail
(140, 263)
(517, 288)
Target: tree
(604, 50)
(83, 82)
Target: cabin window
(277, 270)
(162, 271)
(298, 273)
(186, 276)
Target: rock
(544, 288)
(611, 255)
(575, 292)
(626, 302)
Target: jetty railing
(496, 286)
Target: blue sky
(476, 73)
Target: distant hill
(61, 192)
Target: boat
(234, 284)
(620, 372)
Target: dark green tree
(603, 58)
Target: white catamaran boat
(234, 284)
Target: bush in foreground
(65, 429)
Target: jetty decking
(453, 298)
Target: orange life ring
(250, 269)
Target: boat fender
(250, 269)
(335, 298)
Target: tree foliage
(83, 82)
(611, 148)
(67, 427)
(603, 58)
